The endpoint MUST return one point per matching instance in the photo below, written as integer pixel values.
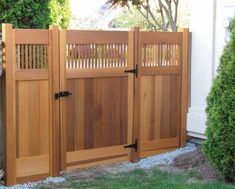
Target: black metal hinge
(134, 71)
(135, 145)
(62, 94)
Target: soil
(195, 161)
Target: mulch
(196, 161)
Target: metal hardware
(62, 94)
(134, 71)
(135, 145)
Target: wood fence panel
(161, 71)
(75, 99)
(30, 86)
(95, 116)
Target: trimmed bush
(220, 144)
(35, 13)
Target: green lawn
(141, 179)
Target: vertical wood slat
(22, 57)
(30, 56)
(18, 57)
(63, 105)
(9, 104)
(53, 57)
(184, 85)
(34, 56)
(96, 56)
(135, 55)
(26, 57)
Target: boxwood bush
(220, 144)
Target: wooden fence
(75, 99)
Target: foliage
(35, 13)
(220, 144)
(140, 179)
(25, 13)
(166, 10)
(129, 17)
(60, 13)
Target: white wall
(208, 34)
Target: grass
(142, 179)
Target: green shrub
(35, 13)
(220, 144)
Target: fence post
(63, 105)
(9, 104)
(134, 58)
(184, 85)
(54, 83)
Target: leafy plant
(130, 17)
(35, 13)
(151, 11)
(220, 144)
(60, 13)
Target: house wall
(208, 40)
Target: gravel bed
(162, 159)
(48, 180)
(153, 161)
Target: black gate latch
(134, 71)
(62, 94)
(135, 146)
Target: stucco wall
(208, 34)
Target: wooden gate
(162, 88)
(30, 125)
(75, 99)
(96, 115)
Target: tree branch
(176, 10)
(163, 18)
(147, 9)
(149, 22)
(168, 14)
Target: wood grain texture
(9, 104)
(159, 117)
(96, 113)
(144, 154)
(95, 72)
(37, 74)
(161, 37)
(54, 85)
(31, 36)
(35, 165)
(104, 161)
(185, 85)
(96, 37)
(92, 155)
(63, 104)
(32, 118)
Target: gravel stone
(161, 159)
(147, 163)
(48, 180)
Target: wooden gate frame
(54, 77)
(9, 85)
